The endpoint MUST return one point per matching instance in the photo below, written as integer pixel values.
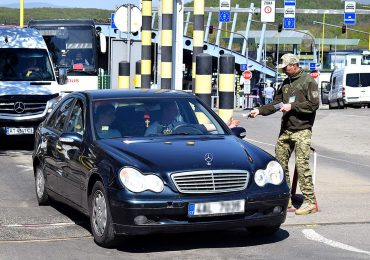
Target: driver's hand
(255, 112)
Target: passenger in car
(104, 116)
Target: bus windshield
(71, 47)
(25, 65)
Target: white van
(349, 86)
(28, 84)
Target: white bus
(77, 46)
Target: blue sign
(350, 18)
(289, 2)
(112, 24)
(243, 67)
(289, 23)
(312, 66)
(224, 16)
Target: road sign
(224, 16)
(243, 67)
(314, 74)
(289, 14)
(289, 23)
(312, 66)
(247, 74)
(350, 18)
(112, 24)
(225, 5)
(268, 11)
(121, 18)
(350, 7)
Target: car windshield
(146, 117)
(25, 65)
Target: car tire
(100, 217)
(40, 185)
(263, 230)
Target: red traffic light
(344, 28)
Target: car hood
(174, 154)
(25, 88)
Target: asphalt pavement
(342, 179)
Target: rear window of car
(358, 80)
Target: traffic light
(211, 29)
(344, 28)
(280, 27)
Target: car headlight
(52, 103)
(135, 181)
(273, 174)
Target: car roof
(137, 93)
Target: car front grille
(210, 181)
(23, 105)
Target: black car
(147, 161)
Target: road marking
(319, 155)
(312, 235)
(355, 116)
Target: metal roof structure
(291, 37)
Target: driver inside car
(169, 119)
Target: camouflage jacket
(302, 92)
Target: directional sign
(224, 16)
(289, 23)
(112, 24)
(312, 66)
(350, 18)
(268, 11)
(243, 67)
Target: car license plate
(19, 131)
(216, 208)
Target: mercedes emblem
(208, 157)
(19, 107)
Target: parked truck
(28, 82)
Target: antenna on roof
(6, 39)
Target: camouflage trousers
(299, 141)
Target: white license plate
(19, 131)
(216, 208)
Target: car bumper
(172, 216)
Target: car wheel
(263, 230)
(100, 217)
(40, 181)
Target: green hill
(304, 22)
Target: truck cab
(28, 82)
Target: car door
(72, 178)
(50, 137)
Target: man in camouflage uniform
(298, 99)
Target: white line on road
(319, 155)
(355, 116)
(312, 235)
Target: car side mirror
(239, 132)
(325, 86)
(62, 76)
(73, 139)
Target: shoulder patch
(315, 94)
